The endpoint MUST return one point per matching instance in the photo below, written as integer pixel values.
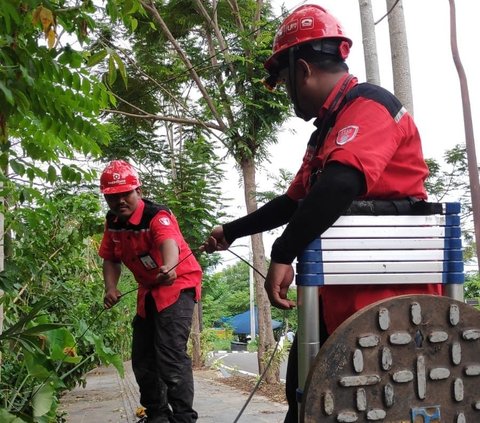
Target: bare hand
(166, 277)
(278, 280)
(112, 297)
(216, 241)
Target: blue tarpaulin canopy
(241, 322)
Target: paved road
(109, 399)
(244, 362)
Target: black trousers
(160, 362)
(291, 383)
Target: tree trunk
(266, 341)
(402, 82)
(369, 42)
(468, 125)
(197, 360)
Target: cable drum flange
(407, 359)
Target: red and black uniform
(164, 313)
(366, 146)
(374, 134)
(136, 243)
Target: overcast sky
(436, 91)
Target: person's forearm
(331, 195)
(275, 213)
(170, 253)
(111, 274)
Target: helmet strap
(333, 47)
(292, 74)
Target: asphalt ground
(108, 398)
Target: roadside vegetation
(81, 85)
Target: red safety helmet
(307, 24)
(119, 176)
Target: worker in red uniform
(365, 146)
(146, 238)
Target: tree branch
(149, 6)
(236, 13)
(149, 116)
(213, 23)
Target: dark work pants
(162, 367)
(291, 383)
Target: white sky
(436, 89)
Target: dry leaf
(140, 412)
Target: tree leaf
(51, 38)
(6, 417)
(42, 328)
(17, 167)
(43, 400)
(7, 92)
(121, 67)
(97, 58)
(86, 86)
(133, 24)
(112, 71)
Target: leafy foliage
(49, 101)
(449, 182)
(227, 292)
(51, 340)
(472, 286)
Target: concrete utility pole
(370, 55)
(468, 125)
(402, 81)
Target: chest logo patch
(346, 134)
(164, 221)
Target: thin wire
(267, 367)
(257, 385)
(245, 261)
(91, 324)
(388, 13)
(195, 66)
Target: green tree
(57, 338)
(49, 101)
(449, 182)
(50, 106)
(226, 293)
(219, 49)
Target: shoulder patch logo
(346, 134)
(164, 221)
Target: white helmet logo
(164, 221)
(306, 23)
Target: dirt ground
(274, 392)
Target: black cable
(245, 261)
(206, 60)
(257, 385)
(388, 13)
(42, 384)
(260, 380)
(267, 367)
